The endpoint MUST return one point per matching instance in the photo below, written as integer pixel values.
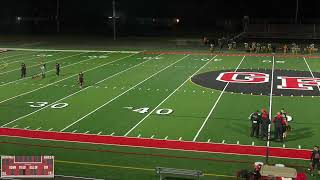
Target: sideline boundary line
(310, 71)
(70, 50)
(190, 146)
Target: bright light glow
(19, 18)
(110, 17)
(177, 20)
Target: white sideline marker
(99, 132)
(209, 140)
(87, 132)
(50, 129)
(180, 138)
(299, 147)
(38, 128)
(283, 145)
(27, 127)
(112, 134)
(252, 143)
(215, 104)
(223, 141)
(166, 138)
(238, 142)
(15, 126)
(152, 136)
(74, 131)
(139, 135)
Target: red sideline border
(247, 150)
(235, 54)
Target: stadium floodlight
(177, 20)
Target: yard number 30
(43, 104)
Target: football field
(159, 95)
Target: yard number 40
(43, 104)
(159, 111)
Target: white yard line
(122, 94)
(99, 132)
(74, 92)
(310, 71)
(74, 131)
(22, 54)
(52, 69)
(87, 132)
(50, 129)
(61, 79)
(215, 104)
(68, 50)
(270, 102)
(187, 80)
(6, 72)
(38, 128)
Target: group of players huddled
(260, 122)
(42, 74)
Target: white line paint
(38, 128)
(223, 141)
(99, 132)
(209, 140)
(68, 50)
(215, 104)
(87, 132)
(63, 97)
(50, 129)
(166, 137)
(299, 147)
(49, 70)
(270, 102)
(6, 72)
(310, 71)
(112, 134)
(283, 145)
(74, 131)
(252, 143)
(139, 135)
(152, 136)
(180, 138)
(238, 142)
(15, 126)
(22, 54)
(187, 80)
(27, 127)
(121, 94)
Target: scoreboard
(27, 167)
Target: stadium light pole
(114, 19)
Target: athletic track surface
(235, 149)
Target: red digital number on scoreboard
(27, 166)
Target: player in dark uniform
(255, 123)
(81, 79)
(314, 160)
(279, 123)
(57, 69)
(23, 70)
(265, 121)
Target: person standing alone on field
(81, 79)
(57, 69)
(255, 123)
(314, 160)
(43, 71)
(23, 70)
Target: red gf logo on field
(243, 77)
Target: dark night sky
(162, 8)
